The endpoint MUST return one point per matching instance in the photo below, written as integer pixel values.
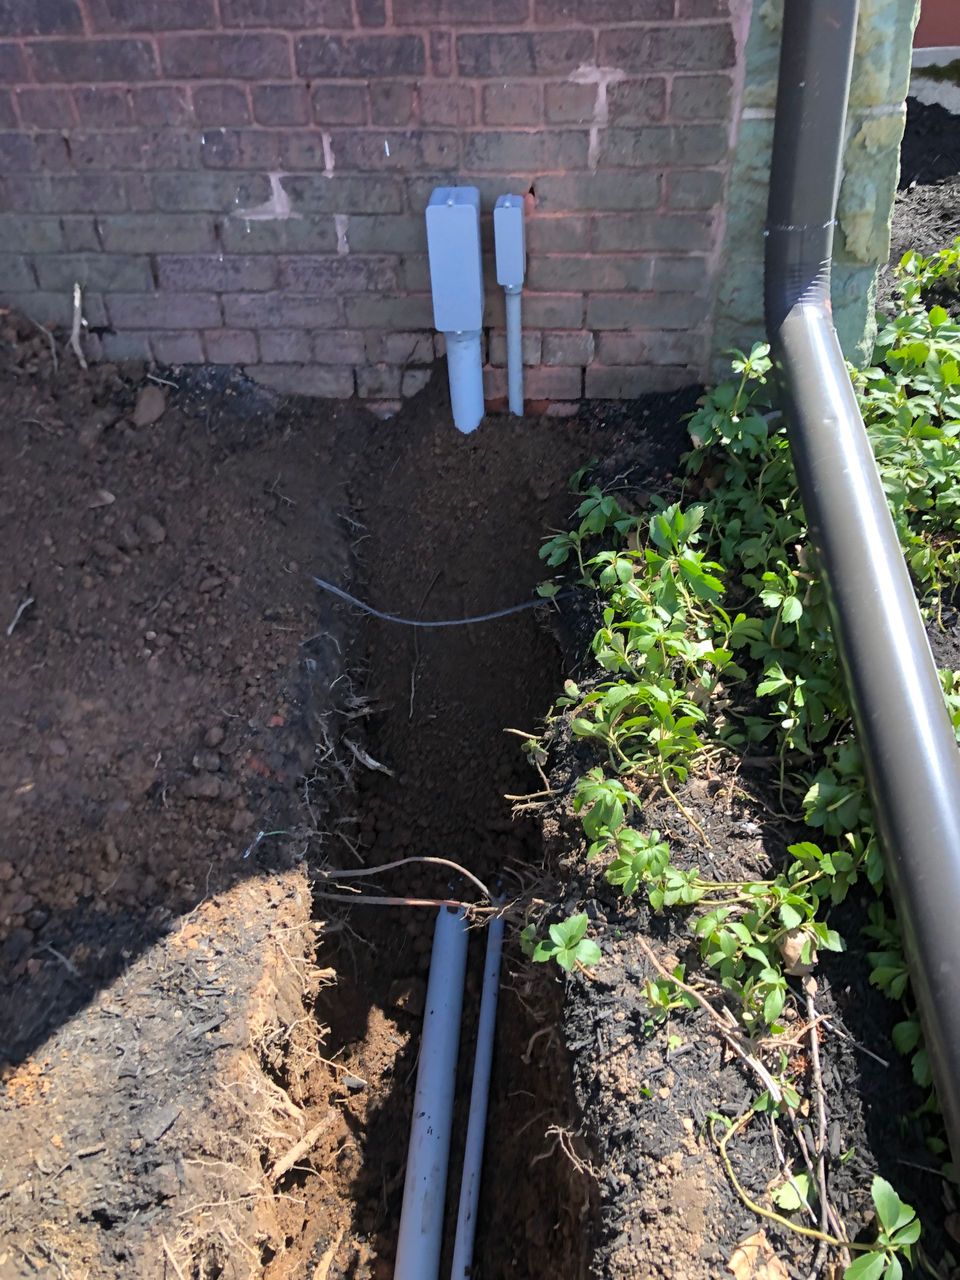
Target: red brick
(573, 192)
(512, 104)
(230, 346)
(392, 102)
(56, 308)
(16, 273)
(557, 234)
(40, 18)
(31, 234)
(227, 57)
(103, 108)
(530, 347)
(637, 102)
(125, 346)
(285, 235)
(414, 380)
(656, 311)
(551, 272)
(672, 275)
(570, 103)
(567, 348)
(279, 310)
(700, 97)
(315, 193)
(107, 152)
(387, 233)
(636, 231)
(79, 61)
(528, 53)
(554, 311)
(221, 104)
(275, 104)
(157, 233)
(423, 13)
(337, 274)
(547, 383)
(305, 149)
(628, 384)
(378, 381)
(398, 348)
(205, 191)
(80, 234)
(602, 11)
(339, 104)
(652, 346)
(85, 193)
(688, 144)
(441, 53)
(340, 347)
(430, 149)
(447, 104)
(372, 13)
(306, 380)
(284, 15)
(8, 114)
(164, 311)
(286, 346)
(694, 48)
(151, 15)
(528, 152)
(13, 66)
(163, 104)
(46, 108)
(380, 312)
(494, 383)
(116, 273)
(178, 348)
(223, 273)
(696, 189)
(360, 57)
(241, 149)
(703, 8)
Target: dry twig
(301, 1148)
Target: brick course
(243, 181)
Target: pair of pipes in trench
(456, 282)
(424, 1189)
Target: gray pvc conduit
(908, 745)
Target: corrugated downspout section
(907, 741)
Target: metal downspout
(911, 757)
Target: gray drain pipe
(908, 745)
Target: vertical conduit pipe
(424, 1187)
(911, 757)
(479, 1097)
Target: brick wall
(243, 181)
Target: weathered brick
(241, 149)
(164, 311)
(275, 104)
(306, 149)
(573, 192)
(42, 152)
(157, 233)
(637, 231)
(205, 191)
(373, 312)
(669, 346)
(360, 57)
(637, 102)
(125, 346)
(371, 13)
(151, 15)
(631, 310)
(226, 57)
(119, 273)
(326, 382)
(8, 113)
(279, 310)
(498, 13)
(557, 234)
(553, 310)
(567, 349)
(552, 272)
(337, 274)
(415, 273)
(308, 234)
(530, 346)
(413, 381)
(494, 383)
(627, 384)
(528, 53)
(667, 48)
(55, 309)
(16, 272)
(178, 348)
(286, 346)
(221, 104)
(703, 8)
(230, 346)
(600, 11)
(695, 189)
(46, 108)
(63, 193)
(672, 275)
(162, 104)
(378, 381)
(663, 144)
(392, 102)
(339, 347)
(80, 234)
(387, 233)
(79, 61)
(314, 193)
(107, 152)
(104, 107)
(40, 18)
(24, 234)
(441, 53)
(546, 383)
(339, 104)
(567, 103)
(447, 104)
(512, 104)
(287, 15)
(224, 273)
(13, 66)
(700, 97)
(360, 149)
(403, 349)
(502, 152)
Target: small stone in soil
(152, 529)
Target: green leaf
(791, 917)
(869, 1266)
(792, 609)
(891, 1210)
(588, 953)
(793, 1195)
(906, 1036)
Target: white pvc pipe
(465, 371)
(479, 1097)
(514, 349)
(424, 1188)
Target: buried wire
(419, 622)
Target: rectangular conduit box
(509, 241)
(456, 272)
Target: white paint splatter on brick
(340, 221)
(276, 209)
(329, 160)
(602, 77)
